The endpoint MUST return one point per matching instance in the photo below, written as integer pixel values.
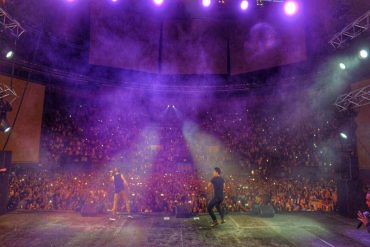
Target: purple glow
(244, 4)
(158, 2)
(291, 8)
(114, 0)
(206, 3)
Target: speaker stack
(5, 162)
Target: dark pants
(215, 202)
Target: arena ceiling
(58, 36)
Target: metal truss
(7, 93)
(351, 31)
(357, 98)
(261, 2)
(8, 23)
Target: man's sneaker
(112, 219)
(215, 223)
(223, 221)
(130, 216)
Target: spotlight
(363, 54)
(7, 53)
(244, 4)
(343, 135)
(158, 2)
(291, 8)
(342, 66)
(206, 3)
(4, 126)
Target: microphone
(366, 214)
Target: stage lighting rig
(7, 93)
(352, 31)
(261, 3)
(7, 23)
(355, 99)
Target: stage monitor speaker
(5, 162)
(89, 210)
(266, 211)
(184, 211)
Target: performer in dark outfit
(363, 216)
(120, 189)
(218, 186)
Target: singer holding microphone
(364, 216)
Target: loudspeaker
(5, 162)
(89, 210)
(266, 211)
(350, 197)
(184, 211)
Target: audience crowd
(167, 158)
(42, 190)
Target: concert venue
(156, 123)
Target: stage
(70, 229)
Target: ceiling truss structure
(352, 31)
(7, 93)
(10, 24)
(357, 98)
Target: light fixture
(343, 135)
(342, 66)
(244, 4)
(5, 126)
(206, 3)
(158, 2)
(9, 54)
(291, 7)
(363, 54)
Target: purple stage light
(158, 2)
(291, 7)
(244, 4)
(206, 3)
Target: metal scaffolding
(8, 23)
(357, 98)
(353, 30)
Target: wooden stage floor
(70, 229)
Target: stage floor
(70, 229)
